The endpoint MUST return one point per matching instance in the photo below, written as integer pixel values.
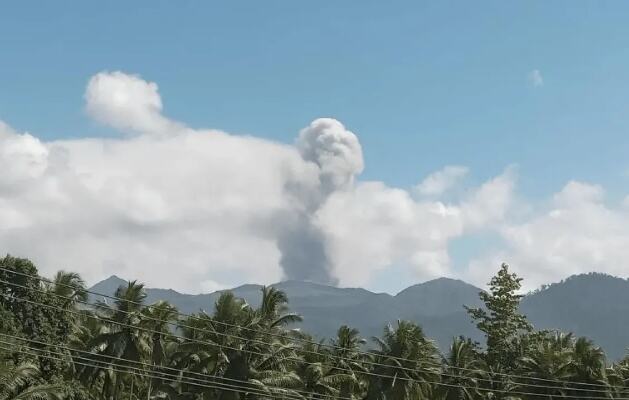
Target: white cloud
(536, 78)
(128, 103)
(22, 156)
(197, 210)
(491, 201)
(577, 233)
(372, 227)
(441, 181)
(202, 209)
(172, 207)
(172, 211)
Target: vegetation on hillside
(56, 345)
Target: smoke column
(337, 155)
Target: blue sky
(422, 84)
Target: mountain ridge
(594, 305)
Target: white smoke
(336, 155)
(334, 149)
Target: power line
(180, 325)
(113, 358)
(191, 316)
(206, 343)
(236, 388)
(286, 338)
(153, 366)
(206, 331)
(300, 360)
(168, 378)
(363, 372)
(174, 324)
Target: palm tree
(617, 378)
(313, 370)
(241, 344)
(273, 311)
(548, 360)
(464, 371)
(209, 341)
(71, 286)
(407, 364)
(348, 360)
(88, 326)
(158, 319)
(588, 367)
(123, 340)
(199, 350)
(22, 382)
(259, 355)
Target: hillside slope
(592, 305)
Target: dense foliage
(54, 344)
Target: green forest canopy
(55, 344)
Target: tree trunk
(148, 393)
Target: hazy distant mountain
(592, 305)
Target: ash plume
(336, 154)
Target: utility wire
(241, 389)
(139, 328)
(192, 316)
(398, 366)
(434, 364)
(362, 372)
(152, 366)
(168, 378)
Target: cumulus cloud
(22, 156)
(373, 226)
(576, 233)
(173, 211)
(441, 181)
(536, 78)
(200, 209)
(128, 103)
(175, 207)
(490, 203)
